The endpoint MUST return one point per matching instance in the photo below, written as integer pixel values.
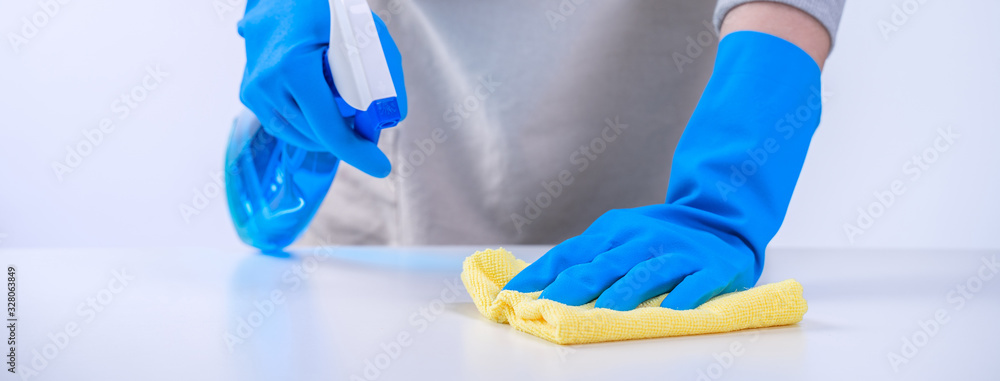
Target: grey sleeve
(828, 12)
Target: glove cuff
(739, 158)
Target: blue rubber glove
(730, 184)
(285, 86)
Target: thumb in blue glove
(731, 180)
(285, 87)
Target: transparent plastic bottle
(274, 188)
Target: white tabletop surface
(204, 314)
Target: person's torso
(527, 119)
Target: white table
(172, 319)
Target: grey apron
(527, 119)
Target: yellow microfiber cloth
(486, 272)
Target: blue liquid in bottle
(274, 188)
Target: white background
(889, 98)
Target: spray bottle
(274, 188)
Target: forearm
(784, 21)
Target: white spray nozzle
(356, 59)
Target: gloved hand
(284, 84)
(732, 178)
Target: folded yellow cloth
(486, 272)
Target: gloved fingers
(395, 61)
(289, 118)
(277, 112)
(646, 280)
(695, 290)
(315, 98)
(573, 251)
(584, 282)
(278, 126)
